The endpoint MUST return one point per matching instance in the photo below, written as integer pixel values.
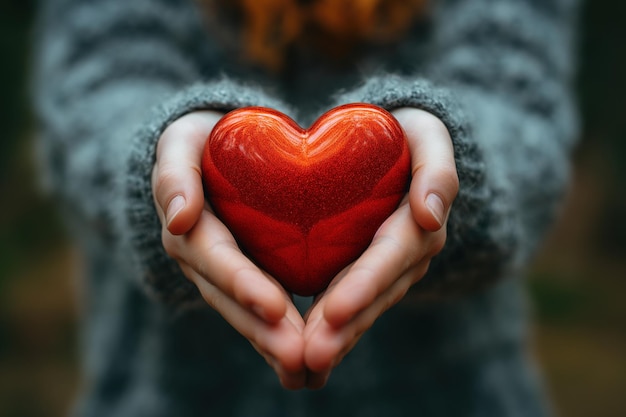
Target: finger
(327, 345)
(177, 178)
(212, 252)
(320, 347)
(435, 182)
(292, 380)
(398, 245)
(289, 378)
(280, 343)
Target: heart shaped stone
(304, 203)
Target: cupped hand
(250, 300)
(398, 256)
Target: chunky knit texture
(110, 75)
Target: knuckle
(167, 176)
(175, 131)
(190, 125)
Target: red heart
(304, 203)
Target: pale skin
(303, 351)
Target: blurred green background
(577, 284)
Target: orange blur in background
(577, 284)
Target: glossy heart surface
(305, 203)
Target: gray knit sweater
(110, 75)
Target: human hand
(398, 256)
(250, 300)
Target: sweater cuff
(158, 274)
(474, 256)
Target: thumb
(176, 176)
(434, 183)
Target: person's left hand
(249, 299)
(398, 256)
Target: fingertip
(176, 205)
(270, 312)
(430, 210)
(293, 356)
(287, 356)
(431, 214)
(321, 351)
(343, 305)
(435, 205)
(263, 298)
(337, 314)
(182, 213)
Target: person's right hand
(249, 299)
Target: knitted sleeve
(498, 76)
(110, 75)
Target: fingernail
(436, 207)
(175, 206)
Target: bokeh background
(577, 284)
